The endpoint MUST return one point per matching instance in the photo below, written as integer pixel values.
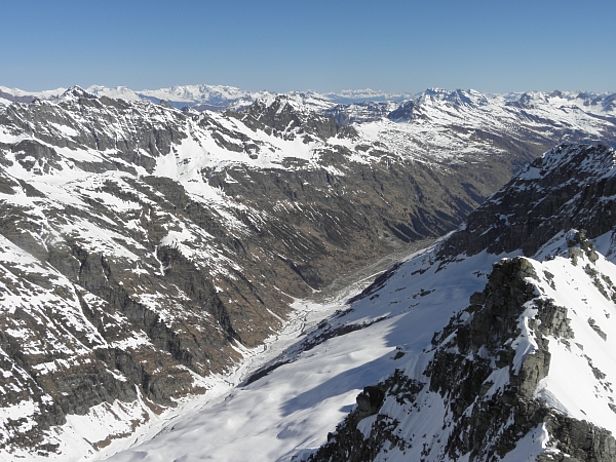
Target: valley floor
(283, 412)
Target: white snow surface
(582, 370)
(292, 409)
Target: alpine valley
(353, 276)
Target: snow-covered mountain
(524, 367)
(11, 95)
(496, 343)
(202, 97)
(214, 97)
(145, 250)
(367, 95)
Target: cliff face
(569, 188)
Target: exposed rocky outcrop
(557, 191)
(349, 443)
(483, 420)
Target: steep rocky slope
(524, 369)
(457, 353)
(145, 248)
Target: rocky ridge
(495, 380)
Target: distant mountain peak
(455, 97)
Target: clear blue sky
(496, 45)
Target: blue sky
(392, 45)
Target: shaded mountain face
(566, 189)
(145, 248)
(503, 334)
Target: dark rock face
(283, 115)
(579, 441)
(460, 376)
(349, 444)
(358, 113)
(558, 191)
(404, 113)
(370, 400)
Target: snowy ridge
(204, 96)
(466, 122)
(366, 95)
(219, 97)
(458, 124)
(447, 401)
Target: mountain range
(220, 97)
(200, 97)
(152, 242)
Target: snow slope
(454, 340)
(290, 411)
